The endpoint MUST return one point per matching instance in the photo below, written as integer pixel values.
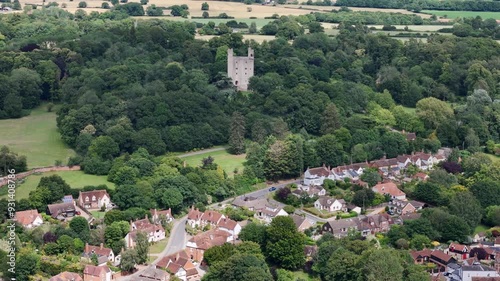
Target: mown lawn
(158, 247)
(464, 14)
(301, 275)
(480, 228)
(36, 137)
(227, 161)
(494, 158)
(76, 179)
(98, 214)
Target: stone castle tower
(240, 69)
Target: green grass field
(494, 158)
(464, 14)
(259, 22)
(227, 161)
(480, 228)
(36, 137)
(98, 214)
(76, 179)
(159, 246)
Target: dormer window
(87, 199)
(93, 198)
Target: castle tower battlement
(240, 69)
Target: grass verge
(158, 247)
(36, 137)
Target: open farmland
(463, 14)
(330, 8)
(258, 38)
(228, 162)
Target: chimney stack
(101, 246)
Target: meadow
(36, 137)
(463, 14)
(227, 161)
(76, 179)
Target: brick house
(94, 199)
(198, 244)
(29, 218)
(97, 273)
(103, 254)
(66, 276)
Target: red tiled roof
(98, 194)
(320, 171)
(66, 276)
(422, 253)
(173, 267)
(227, 223)
(209, 239)
(194, 214)
(95, 270)
(166, 213)
(441, 255)
(98, 250)
(458, 247)
(27, 217)
(211, 216)
(388, 188)
(180, 258)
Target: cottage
(340, 228)
(302, 223)
(96, 273)
(316, 176)
(66, 276)
(158, 215)
(421, 176)
(458, 248)
(194, 218)
(269, 212)
(29, 218)
(374, 224)
(103, 254)
(95, 199)
(61, 211)
(309, 191)
(154, 232)
(251, 203)
(400, 207)
(211, 218)
(179, 264)
(198, 244)
(330, 204)
(230, 226)
(390, 189)
(153, 274)
(437, 257)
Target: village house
(153, 274)
(97, 273)
(391, 189)
(353, 171)
(330, 204)
(316, 176)
(309, 191)
(230, 226)
(179, 264)
(437, 257)
(103, 254)
(211, 218)
(95, 199)
(194, 217)
(340, 228)
(302, 223)
(421, 176)
(198, 244)
(154, 232)
(269, 212)
(66, 276)
(68, 199)
(374, 224)
(157, 215)
(29, 218)
(61, 211)
(477, 271)
(459, 249)
(401, 207)
(479, 237)
(250, 203)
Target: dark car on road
(272, 189)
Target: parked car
(272, 189)
(78, 213)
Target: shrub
(144, 2)
(82, 4)
(205, 6)
(105, 5)
(205, 15)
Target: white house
(316, 176)
(29, 218)
(330, 204)
(194, 217)
(155, 232)
(94, 199)
(308, 190)
(231, 226)
(269, 212)
(468, 272)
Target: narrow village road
(176, 242)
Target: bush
(154, 11)
(144, 2)
(205, 15)
(105, 5)
(82, 4)
(205, 6)
(123, 1)
(289, 209)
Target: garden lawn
(227, 161)
(301, 275)
(494, 158)
(158, 247)
(480, 228)
(98, 214)
(76, 179)
(36, 137)
(464, 14)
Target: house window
(86, 199)
(93, 198)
